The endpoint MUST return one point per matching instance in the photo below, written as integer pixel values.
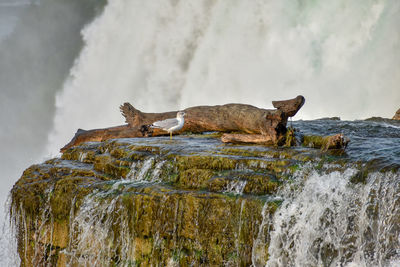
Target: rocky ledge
(151, 201)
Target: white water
(325, 220)
(92, 240)
(235, 187)
(343, 56)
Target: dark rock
(330, 119)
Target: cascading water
(326, 220)
(93, 228)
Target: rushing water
(376, 140)
(325, 220)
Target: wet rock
(338, 141)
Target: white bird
(171, 125)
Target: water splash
(325, 220)
(236, 187)
(142, 172)
(259, 253)
(146, 170)
(82, 156)
(239, 231)
(155, 177)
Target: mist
(39, 43)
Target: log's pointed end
(64, 148)
(74, 140)
(290, 107)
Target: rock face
(137, 201)
(155, 202)
(397, 115)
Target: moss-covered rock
(191, 201)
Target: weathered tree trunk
(223, 118)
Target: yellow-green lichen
(194, 178)
(204, 162)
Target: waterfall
(326, 220)
(171, 54)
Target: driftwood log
(254, 123)
(260, 139)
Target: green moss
(194, 178)
(138, 155)
(65, 191)
(260, 185)
(217, 184)
(152, 149)
(119, 153)
(290, 138)
(242, 152)
(294, 168)
(275, 166)
(106, 164)
(204, 162)
(315, 141)
(81, 153)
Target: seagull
(171, 125)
